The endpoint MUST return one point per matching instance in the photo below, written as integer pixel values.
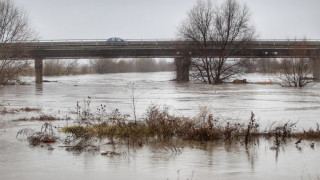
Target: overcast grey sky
(152, 19)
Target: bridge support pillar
(38, 66)
(183, 66)
(316, 68)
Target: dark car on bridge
(115, 39)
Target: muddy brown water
(206, 161)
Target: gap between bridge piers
(182, 72)
(182, 69)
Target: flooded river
(230, 102)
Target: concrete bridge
(73, 49)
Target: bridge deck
(155, 48)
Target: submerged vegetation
(45, 135)
(43, 117)
(158, 126)
(6, 110)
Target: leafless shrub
(46, 135)
(296, 71)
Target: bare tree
(296, 71)
(226, 28)
(14, 31)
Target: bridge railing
(154, 43)
(102, 43)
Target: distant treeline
(263, 66)
(267, 65)
(103, 66)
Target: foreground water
(207, 161)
